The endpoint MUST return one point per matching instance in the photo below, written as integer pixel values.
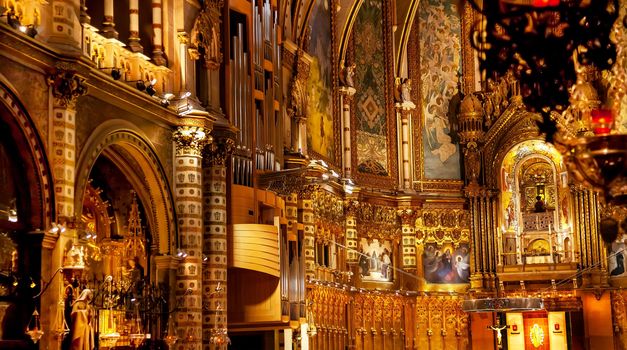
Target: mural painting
(446, 264)
(616, 258)
(376, 260)
(439, 70)
(320, 109)
(370, 111)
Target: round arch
(150, 181)
(32, 153)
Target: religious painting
(376, 260)
(446, 264)
(321, 138)
(440, 65)
(370, 82)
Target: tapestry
(370, 106)
(446, 264)
(440, 65)
(376, 260)
(320, 136)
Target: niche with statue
(534, 220)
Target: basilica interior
(313, 174)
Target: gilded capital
(218, 152)
(407, 216)
(66, 87)
(190, 140)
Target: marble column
(157, 27)
(346, 98)
(403, 111)
(108, 26)
(214, 273)
(133, 39)
(188, 199)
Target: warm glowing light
(602, 120)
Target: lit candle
(602, 120)
(544, 3)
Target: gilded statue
(82, 317)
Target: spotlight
(205, 258)
(186, 95)
(140, 85)
(116, 74)
(32, 284)
(23, 28)
(31, 31)
(181, 253)
(150, 90)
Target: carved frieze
(218, 152)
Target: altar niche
(535, 220)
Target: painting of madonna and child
(446, 264)
(375, 260)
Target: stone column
(188, 198)
(65, 87)
(214, 274)
(346, 98)
(108, 26)
(305, 203)
(157, 27)
(408, 241)
(403, 113)
(133, 39)
(352, 244)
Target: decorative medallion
(536, 335)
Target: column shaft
(157, 27)
(188, 199)
(215, 248)
(133, 39)
(108, 26)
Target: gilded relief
(370, 82)
(321, 138)
(440, 62)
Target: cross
(499, 337)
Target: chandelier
(568, 58)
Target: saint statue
(82, 317)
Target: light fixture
(181, 253)
(205, 258)
(170, 335)
(141, 86)
(185, 95)
(116, 74)
(34, 330)
(150, 90)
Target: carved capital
(190, 140)
(407, 216)
(218, 152)
(66, 87)
(351, 207)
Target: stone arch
(32, 152)
(153, 189)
